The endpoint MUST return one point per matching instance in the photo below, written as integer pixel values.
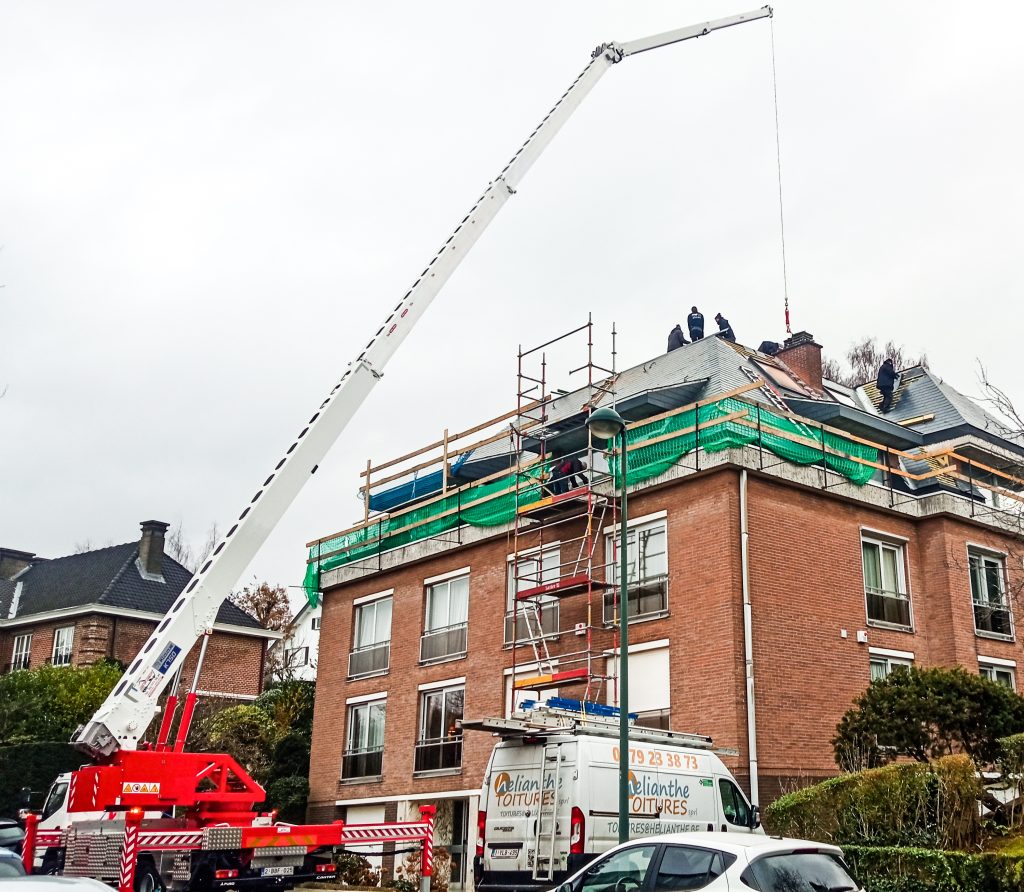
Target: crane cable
(778, 165)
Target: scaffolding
(556, 537)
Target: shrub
(289, 796)
(924, 714)
(32, 765)
(901, 804)
(409, 872)
(291, 757)
(894, 869)
(355, 870)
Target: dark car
(11, 835)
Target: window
(625, 870)
(63, 639)
(440, 743)
(444, 625)
(1002, 674)
(364, 743)
(21, 653)
(649, 688)
(883, 666)
(294, 657)
(371, 638)
(798, 872)
(314, 623)
(647, 570)
(734, 805)
(885, 586)
(687, 867)
(992, 616)
(538, 616)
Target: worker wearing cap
(886, 382)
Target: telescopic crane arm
(127, 712)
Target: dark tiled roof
(920, 393)
(6, 596)
(109, 577)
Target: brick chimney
(803, 355)
(13, 562)
(151, 547)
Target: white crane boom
(126, 713)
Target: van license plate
(277, 871)
(506, 852)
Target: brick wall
(806, 587)
(233, 662)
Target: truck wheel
(147, 879)
(51, 863)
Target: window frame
(442, 643)
(21, 658)
(549, 605)
(314, 624)
(997, 558)
(67, 651)
(991, 668)
(899, 547)
(890, 658)
(447, 745)
(635, 582)
(375, 654)
(290, 661)
(358, 756)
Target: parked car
(10, 865)
(11, 835)
(53, 884)
(716, 862)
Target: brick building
(787, 542)
(105, 603)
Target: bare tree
(862, 362)
(267, 603)
(177, 546)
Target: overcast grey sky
(206, 209)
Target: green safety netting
(494, 503)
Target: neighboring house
(104, 603)
(834, 557)
(296, 654)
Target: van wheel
(51, 863)
(147, 879)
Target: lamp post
(606, 424)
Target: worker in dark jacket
(886, 382)
(695, 322)
(676, 338)
(724, 328)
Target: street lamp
(606, 424)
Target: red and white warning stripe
(163, 841)
(384, 832)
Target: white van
(549, 801)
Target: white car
(716, 862)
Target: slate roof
(107, 577)
(920, 392)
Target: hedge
(32, 765)
(894, 869)
(915, 804)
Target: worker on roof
(695, 322)
(676, 338)
(886, 382)
(724, 328)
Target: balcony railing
(646, 598)
(443, 644)
(438, 754)
(362, 763)
(888, 607)
(372, 659)
(526, 624)
(993, 619)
